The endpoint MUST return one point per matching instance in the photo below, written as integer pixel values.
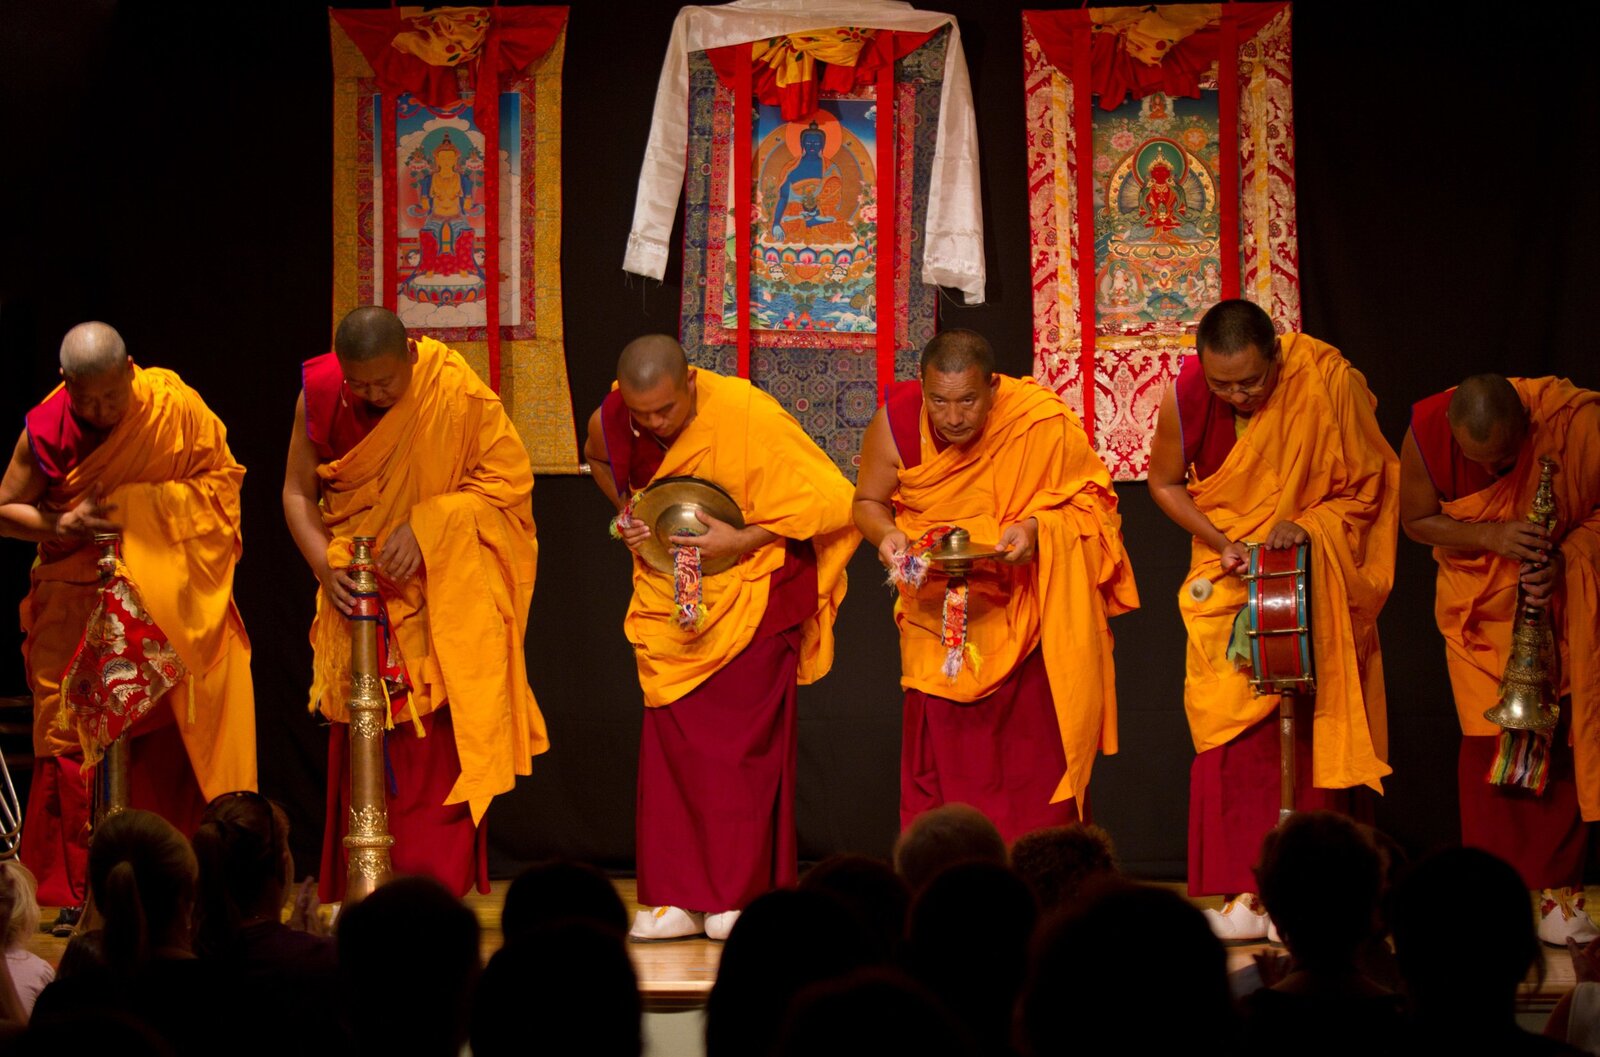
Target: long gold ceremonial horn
(1527, 689)
(367, 841)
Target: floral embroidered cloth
(123, 666)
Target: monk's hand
(893, 544)
(1235, 556)
(633, 534)
(1521, 541)
(88, 517)
(1019, 542)
(340, 587)
(1286, 534)
(400, 558)
(1539, 581)
(719, 540)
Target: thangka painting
(814, 265)
(427, 225)
(817, 271)
(1157, 187)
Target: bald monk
(396, 438)
(1469, 467)
(715, 819)
(117, 447)
(1272, 440)
(1014, 730)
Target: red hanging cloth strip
(1083, 130)
(888, 250)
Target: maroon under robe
(1002, 753)
(1545, 836)
(430, 837)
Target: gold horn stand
(367, 841)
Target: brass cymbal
(668, 507)
(956, 553)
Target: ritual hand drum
(1279, 582)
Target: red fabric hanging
(1228, 151)
(1083, 127)
(1114, 74)
(888, 246)
(743, 199)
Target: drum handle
(1286, 705)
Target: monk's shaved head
(1235, 326)
(1485, 403)
(92, 349)
(370, 333)
(957, 351)
(648, 361)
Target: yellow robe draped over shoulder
(1477, 590)
(1032, 459)
(175, 485)
(1313, 454)
(445, 459)
(744, 441)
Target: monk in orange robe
(398, 439)
(1468, 470)
(1009, 718)
(117, 446)
(1273, 440)
(715, 821)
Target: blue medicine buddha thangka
(813, 261)
(446, 268)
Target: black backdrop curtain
(168, 171)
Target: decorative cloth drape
(1174, 192)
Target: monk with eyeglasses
(1272, 440)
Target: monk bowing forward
(1469, 468)
(1009, 686)
(720, 655)
(397, 438)
(122, 448)
(1273, 440)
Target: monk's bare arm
(1423, 518)
(595, 454)
(1167, 478)
(873, 508)
(22, 488)
(303, 514)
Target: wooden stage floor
(678, 974)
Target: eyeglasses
(1238, 389)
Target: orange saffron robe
(1313, 454)
(1032, 459)
(167, 469)
(446, 459)
(1477, 590)
(742, 439)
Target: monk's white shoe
(719, 925)
(1563, 916)
(1241, 920)
(666, 923)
